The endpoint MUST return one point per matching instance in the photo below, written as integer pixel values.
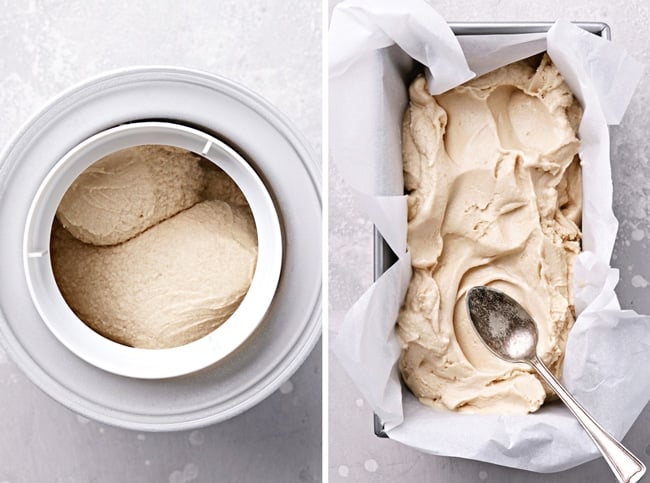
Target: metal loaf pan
(383, 255)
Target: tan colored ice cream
(220, 186)
(169, 285)
(154, 247)
(126, 192)
(494, 199)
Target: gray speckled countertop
(355, 454)
(275, 49)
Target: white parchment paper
(372, 47)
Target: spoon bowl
(505, 327)
(511, 334)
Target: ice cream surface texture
(173, 280)
(494, 198)
(130, 190)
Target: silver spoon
(511, 334)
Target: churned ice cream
(154, 247)
(126, 192)
(494, 198)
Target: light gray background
(355, 454)
(273, 47)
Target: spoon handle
(626, 466)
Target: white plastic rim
(101, 351)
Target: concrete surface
(275, 49)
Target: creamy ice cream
(182, 271)
(166, 287)
(220, 186)
(130, 190)
(494, 198)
